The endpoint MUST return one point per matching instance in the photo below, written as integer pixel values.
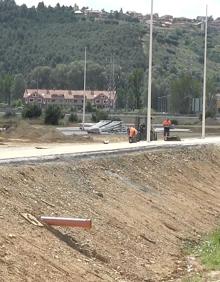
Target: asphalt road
(50, 152)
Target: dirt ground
(144, 208)
(23, 132)
(27, 133)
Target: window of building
(31, 100)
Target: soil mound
(144, 207)
(27, 132)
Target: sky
(178, 8)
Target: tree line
(43, 47)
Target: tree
(99, 115)
(183, 90)
(40, 77)
(89, 107)
(5, 88)
(135, 86)
(73, 117)
(53, 114)
(31, 111)
(211, 89)
(121, 100)
(18, 87)
(76, 7)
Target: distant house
(167, 18)
(136, 15)
(201, 18)
(78, 12)
(93, 13)
(70, 98)
(166, 24)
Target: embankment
(144, 207)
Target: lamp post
(204, 78)
(149, 77)
(84, 94)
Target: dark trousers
(166, 131)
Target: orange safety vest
(166, 123)
(132, 132)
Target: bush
(90, 108)
(208, 114)
(115, 119)
(73, 117)
(174, 122)
(9, 113)
(99, 115)
(17, 103)
(31, 111)
(52, 115)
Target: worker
(166, 125)
(132, 133)
(142, 132)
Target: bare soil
(144, 207)
(26, 132)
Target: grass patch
(209, 251)
(196, 278)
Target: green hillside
(44, 47)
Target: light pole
(149, 77)
(204, 79)
(84, 94)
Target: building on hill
(70, 98)
(167, 18)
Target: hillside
(49, 36)
(144, 209)
(44, 47)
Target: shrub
(208, 114)
(90, 108)
(31, 111)
(73, 117)
(17, 103)
(9, 113)
(174, 122)
(99, 115)
(52, 115)
(115, 119)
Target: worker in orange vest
(166, 125)
(132, 133)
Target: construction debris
(32, 219)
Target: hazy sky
(186, 8)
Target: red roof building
(72, 98)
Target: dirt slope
(29, 133)
(144, 207)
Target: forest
(43, 47)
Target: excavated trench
(144, 207)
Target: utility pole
(84, 94)
(149, 77)
(204, 79)
(113, 81)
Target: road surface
(48, 152)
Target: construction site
(144, 205)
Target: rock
(98, 194)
